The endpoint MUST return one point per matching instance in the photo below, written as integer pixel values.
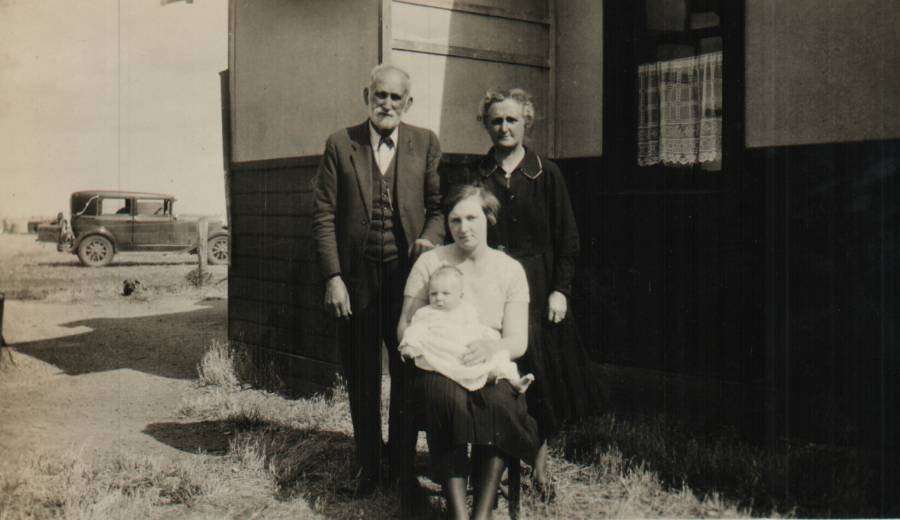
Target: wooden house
(755, 287)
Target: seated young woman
(493, 419)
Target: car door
(184, 229)
(153, 225)
(115, 216)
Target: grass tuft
(218, 367)
(194, 278)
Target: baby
(440, 332)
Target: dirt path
(95, 377)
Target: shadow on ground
(167, 345)
(305, 463)
(210, 437)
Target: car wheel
(217, 251)
(95, 251)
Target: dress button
(512, 196)
(364, 222)
(514, 219)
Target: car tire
(217, 252)
(95, 251)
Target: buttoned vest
(385, 240)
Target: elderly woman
(493, 419)
(537, 228)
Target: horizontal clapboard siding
(275, 296)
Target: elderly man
(377, 206)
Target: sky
(111, 94)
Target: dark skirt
(564, 388)
(495, 415)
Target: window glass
(115, 206)
(155, 207)
(680, 61)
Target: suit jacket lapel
(406, 178)
(362, 163)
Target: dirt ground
(89, 369)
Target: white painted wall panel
(579, 78)
(298, 70)
(461, 29)
(822, 71)
(447, 92)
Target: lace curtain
(680, 111)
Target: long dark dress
(536, 226)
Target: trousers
(361, 337)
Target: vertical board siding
(665, 291)
(274, 293)
(833, 250)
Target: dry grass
(219, 366)
(35, 271)
(294, 459)
(306, 448)
(76, 486)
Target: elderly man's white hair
(384, 68)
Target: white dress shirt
(384, 153)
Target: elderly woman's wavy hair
(496, 95)
(489, 203)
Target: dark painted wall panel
(295, 248)
(275, 292)
(274, 179)
(278, 270)
(833, 231)
(290, 340)
(293, 375)
(264, 223)
(666, 280)
(275, 296)
(275, 203)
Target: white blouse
(500, 279)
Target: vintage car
(104, 223)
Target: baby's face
(445, 292)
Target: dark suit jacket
(343, 196)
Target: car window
(115, 206)
(155, 207)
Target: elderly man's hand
(477, 352)
(337, 299)
(420, 246)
